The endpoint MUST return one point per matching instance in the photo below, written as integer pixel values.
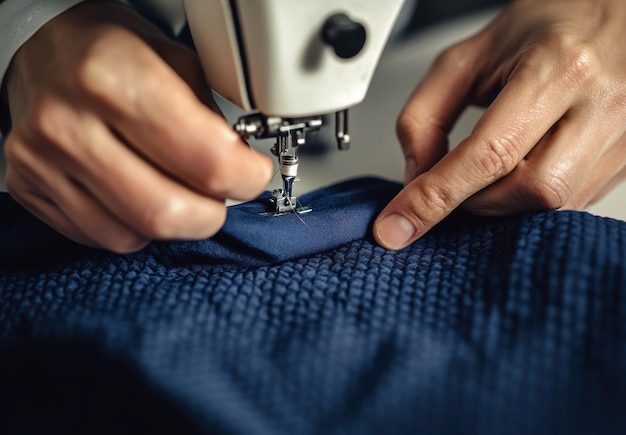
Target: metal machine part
(341, 130)
(290, 133)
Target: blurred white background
(375, 150)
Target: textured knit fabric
(484, 326)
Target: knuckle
(551, 190)
(582, 63)
(55, 126)
(575, 62)
(93, 73)
(218, 179)
(11, 149)
(176, 218)
(404, 122)
(16, 167)
(578, 58)
(435, 199)
(19, 158)
(498, 157)
(116, 85)
(163, 221)
(456, 56)
(405, 126)
(47, 118)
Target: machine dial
(345, 36)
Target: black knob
(347, 37)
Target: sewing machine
(290, 62)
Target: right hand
(116, 139)
(551, 74)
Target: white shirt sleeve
(20, 19)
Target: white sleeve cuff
(20, 19)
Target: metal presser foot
(289, 134)
(283, 201)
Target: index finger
(517, 119)
(161, 117)
(433, 108)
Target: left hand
(116, 139)
(553, 75)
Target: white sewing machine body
(291, 61)
(270, 55)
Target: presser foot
(280, 204)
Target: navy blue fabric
(342, 213)
(512, 325)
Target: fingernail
(395, 231)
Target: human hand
(553, 75)
(113, 142)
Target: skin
(552, 76)
(116, 140)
